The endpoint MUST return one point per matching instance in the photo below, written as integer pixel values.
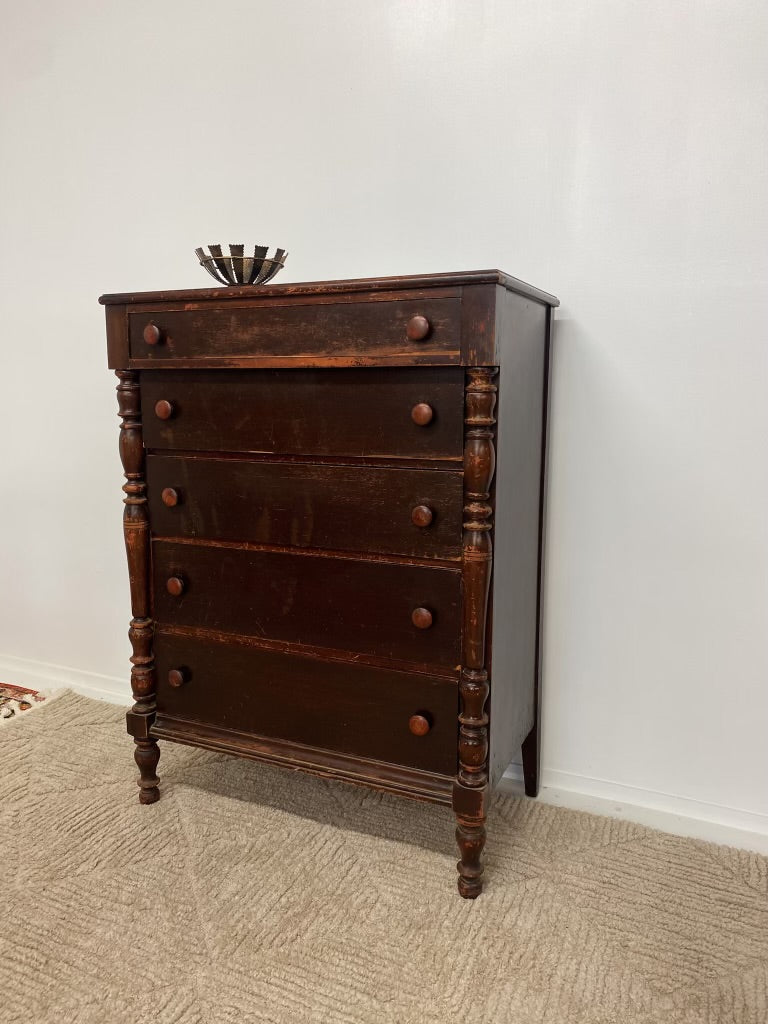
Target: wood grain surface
(336, 705)
(345, 330)
(344, 412)
(346, 508)
(340, 603)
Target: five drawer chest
(333, 518)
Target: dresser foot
(469, 806)
(146, 755)
(471, 840)
(532, 761)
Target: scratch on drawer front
(289, 594)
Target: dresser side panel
(522, 346)
(118, 355)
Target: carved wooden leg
(141, 633)
(469, 807)
(471, 840)
(146, 755)
(471, 789)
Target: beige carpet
(234, 899)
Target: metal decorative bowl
(237, 268)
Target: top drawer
(354, 333)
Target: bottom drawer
(336, 705)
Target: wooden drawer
(347, 331)
(343, 508)
(333, 705)
(362, 606)
(305, 412)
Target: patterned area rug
(249, 894)
(16, 699)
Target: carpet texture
(253, 894)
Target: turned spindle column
(471, 790)
(136, 529)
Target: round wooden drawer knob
(417, 328)
(164, 409)
(422, 414)
(175, 586)
(419, 725)
(421, 618)
(152, 334)
(178, 676)
(170, 497)
(422, 515)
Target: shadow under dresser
(333, 518)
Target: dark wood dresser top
(360, 284)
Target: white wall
(613, 153)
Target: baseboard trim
(40, 675)
(683, 816)
(731, 826)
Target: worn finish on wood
(371, 285)
(430, 787)
(470, 790)
(322, 496)
(136, 531)
(479, 337)
(298, 505)
(472, 330)
(346, 330)
(337, 705)
(305, 412)
(341, 603)
(117, 337)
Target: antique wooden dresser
(333, 519)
